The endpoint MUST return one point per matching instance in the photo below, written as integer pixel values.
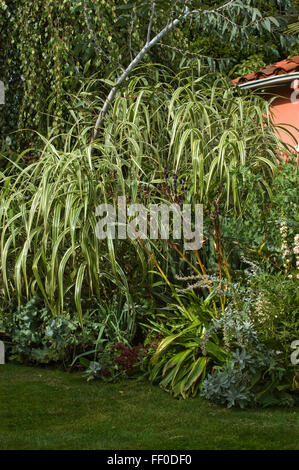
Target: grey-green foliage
(254, 373)
(249, 378)
(260, 307)
(226, 387)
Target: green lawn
(49, 409)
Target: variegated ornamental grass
(201, 133)
(48, 241)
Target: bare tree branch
(150, 24)
(194, 54)
(215, 10)
(131, 33)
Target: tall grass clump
(181, 139)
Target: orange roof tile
(279, 68)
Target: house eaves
(270, 81)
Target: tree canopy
(50, 47)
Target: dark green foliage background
(49, 48)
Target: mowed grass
(50, 409)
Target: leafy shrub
(265, 229)
(275, 310)
(247, 379)
(36, 336)
(224, 354)
(267, 308)
(251, 376)
(116, 361)
(178, 364)
(258, 370)
(26, 329)
(252, 63)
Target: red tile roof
(279, 68)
